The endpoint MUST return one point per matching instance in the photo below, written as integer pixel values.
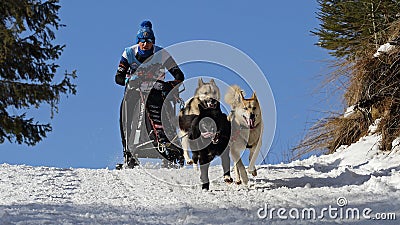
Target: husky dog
(207, 95)
(247, 128)
(209, 137)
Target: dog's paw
(189, 162)
(205, 187)
(253, 172)
(239, 182)
(228, 179)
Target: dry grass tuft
(374, 90)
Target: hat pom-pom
(146, 23)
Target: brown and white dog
(247, 128)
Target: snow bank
(357, 177)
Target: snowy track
(42, 195)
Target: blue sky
(275, 34)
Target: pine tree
(352, 30)
(28, 68)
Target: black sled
(140, 138)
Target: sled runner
(140, 121)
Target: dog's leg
(254, 152)
(185, 147)
(243, 172)
(226, 164)
(240, 170)
(195, 160)
(205, 182)
(236, 158)
(237, 173)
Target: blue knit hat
(145, 32)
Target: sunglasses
(145, 40)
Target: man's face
(145, 44)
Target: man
(140, 67)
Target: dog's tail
(234, 95)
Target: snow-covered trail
(42, 195)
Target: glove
(120, 79)
(167, 87)
(121, 74)
(170, 86)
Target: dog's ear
(212, 81)
(201, 83)
(238, 99)
(254, 96)
(241, 97)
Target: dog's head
(209, 130)
(208, 93)
(248, 111)
(210, 122)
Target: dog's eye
(245, 108)
(254, 108)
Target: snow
(355, 177)
(385, 48)
(350, 111)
